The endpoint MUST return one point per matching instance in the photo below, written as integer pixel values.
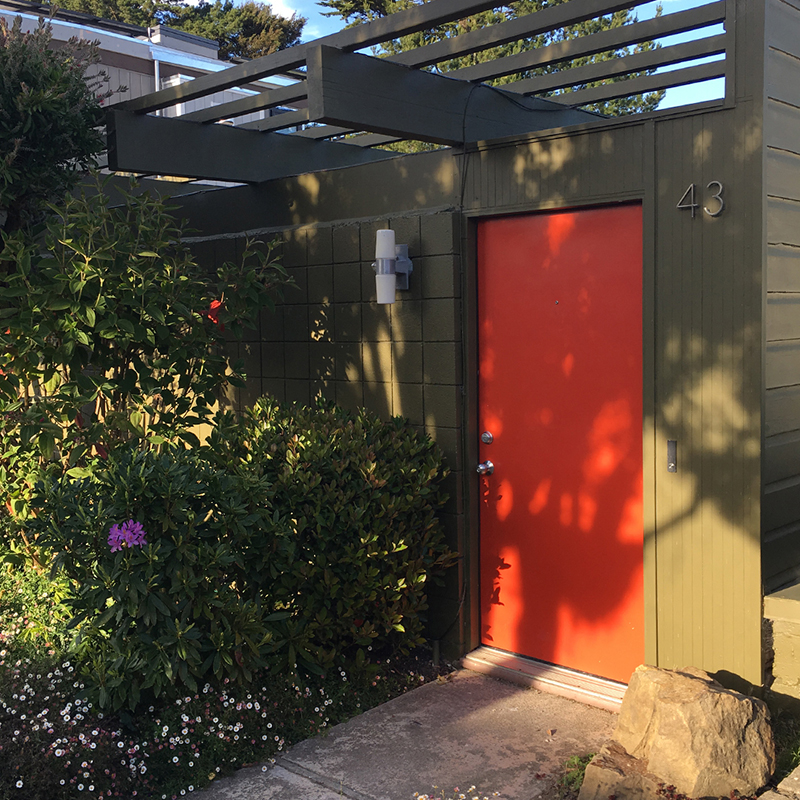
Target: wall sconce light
(392, 266)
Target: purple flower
(129, 534)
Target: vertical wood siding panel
(667, 345)
(558, 172)
(708, 309)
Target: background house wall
(142, 60)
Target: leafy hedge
(175, 611)
(360, 496)
(295, 537)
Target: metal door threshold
(528, 672)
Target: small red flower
(213, 313)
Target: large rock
(614, 773)
(684, 729)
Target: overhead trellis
(362, 101)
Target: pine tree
(357, 11)
(246, 31)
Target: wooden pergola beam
(376, 95)
(465, 44)
(167, 146)
(529, 25)
(380, 30)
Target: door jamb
(470, 220)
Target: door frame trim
(647, 199)
(550, 678)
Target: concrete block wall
(782, 622)
(330, 338)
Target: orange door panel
(560, 392)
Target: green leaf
(47, 444)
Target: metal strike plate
(672, 455)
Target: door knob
(485, 468)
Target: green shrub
(175, 611)
(360, 495)
(112, 332)
(50, 115)
(295, 537)
(33, 619)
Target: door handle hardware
(485, 468)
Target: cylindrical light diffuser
(386, 285)
(385, 277)
(384, 244)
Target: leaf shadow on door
(563, 510)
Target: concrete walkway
(469, 729)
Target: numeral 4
(689, 200)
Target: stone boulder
(684, 729)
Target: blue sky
(319, 25)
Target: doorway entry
(560, 420)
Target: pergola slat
(253, 103)
(624, 36)
(534, 24)
(323, 131)
(625, 65)
(168, 146)
(618, 37)
(403, 23)
(529, 25)
(373, 139)
(390, 99)
(376, 95)
(643, 85)
(277, 122)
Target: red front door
(560, 392)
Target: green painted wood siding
(781, 499)
(708, 398)
(704, 326)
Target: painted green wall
(703, 334)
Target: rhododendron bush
(296, 539)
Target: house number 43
(716, 203)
